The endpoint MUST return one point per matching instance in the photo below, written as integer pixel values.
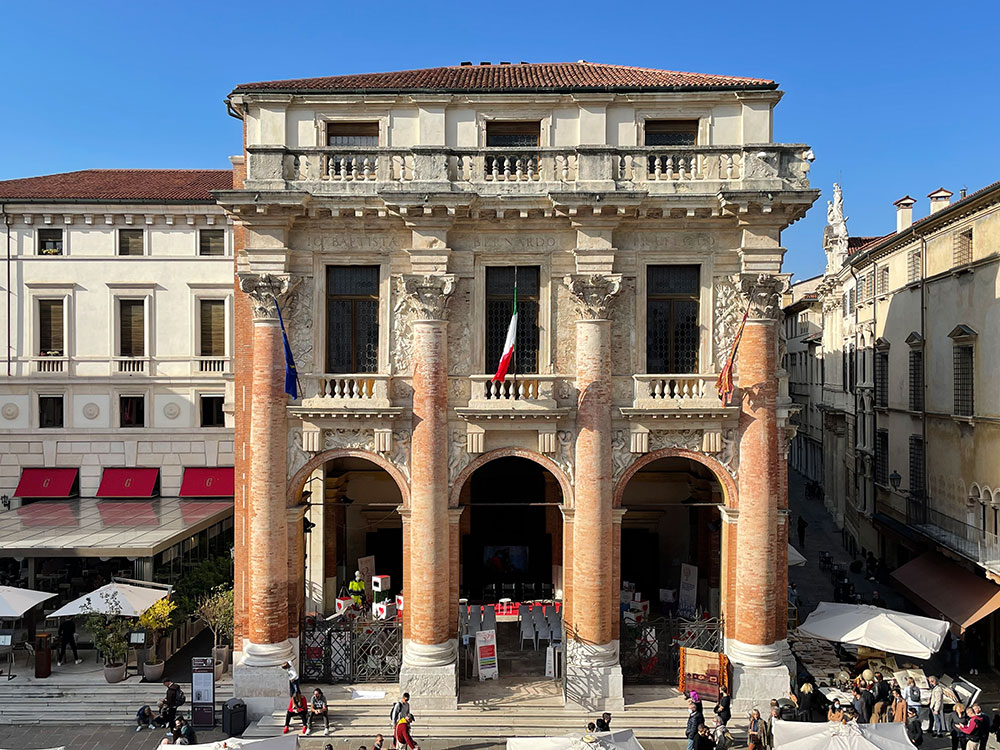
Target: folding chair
(528, 633)
(489, 618)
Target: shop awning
(131, 482)
(208, 482)
(943, 588)
(37, 482)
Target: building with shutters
(387, 215)
(116, 397)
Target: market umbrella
(134, 600)
(623, 739)
(795, 558)
(14, 602)
(883, 629)
(281, 742)
(804, 735)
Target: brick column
(593, 674)
(430, 651)
(267, 532)
(754, 645)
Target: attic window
(671, 132)
(517, 134)
(353, 134)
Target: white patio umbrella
(795, 558)
(133, 600)
(883, 629)
(623, 739)
(281, 742)
(804, 735)
(14, 602)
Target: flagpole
(513, 356)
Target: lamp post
(895, 479)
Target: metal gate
(650, 650)
(362, 651)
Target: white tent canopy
(14, 602)
(803, 735)
(281, 742)
(883, 629)
(795, 558)
(621, 740)
(134, 600)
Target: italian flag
(508, 344)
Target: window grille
(882, 457)
(883, 280)
(963, 248)
(870, 285)
(913, 263)
(882, 379)
(671, 132)
(916, 380)
(916, 466)
(515, 134)
(352, 319)
(672, 330)
(352, 134)
(500, 306)
(847, 304)
(852, 298)
(963, 373)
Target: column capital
(762, 293)
(617, 514)
(264, 289)
(594, 292)
(428, 294)
(455, 514)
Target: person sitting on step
(297, 707)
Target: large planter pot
(221, 653)
(220, 667)
(114, 672)
(153, 672)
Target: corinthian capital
(428, 294)
(594, 292)
(762, 292)
(264, 289)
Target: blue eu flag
(291, 374)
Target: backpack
(392, 712)
(181, 698)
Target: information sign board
(486, 654)
(687, 600)
(203, 692)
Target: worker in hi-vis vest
(356, 588)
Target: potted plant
(110, 632)
(216, 611)
(156, 619)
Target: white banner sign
(486, 654)
(687, 599)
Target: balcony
(50, 364)
(211, 364)
(675, 391)
(359, 392)
(532, 171)
(524, 393)
(971, 542)
(130, 365)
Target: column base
(262, 686)
(594, 677)
(429, 673)
(760, 673)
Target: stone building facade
(803, 320)
(385, 216)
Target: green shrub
(199, 582)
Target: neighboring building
(910, 339)
(804, 365)
(118, 308)
(640, 212)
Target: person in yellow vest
(356, 589)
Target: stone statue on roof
(835, 234)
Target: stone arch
(565, 485)
(725, 479)
(298, 481)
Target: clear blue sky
(894, 97)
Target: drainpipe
(854, 367)
(923, 365)
(3, 212)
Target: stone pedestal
(430, 674)
(594, 677)
(264, 688)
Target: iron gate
(650, 650)
(362, 651)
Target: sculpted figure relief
(594, 292)
(835, 234)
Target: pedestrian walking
(402, 733)
(379, 742)
(170, 702)
(400, 710)
(803, 523)
(293, 678)
(704, 739)
(883, 698)
(755, 731)
(67, 637)
(604, 723)
(722, 708)
(936, 707)
(912, 695)
(695, 719)
(914, 731)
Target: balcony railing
(974, 543)
(512, 165)
(675, 391)
(360, 390)
(521, 393)
(131, 365)
(679, 164)
(212, 364)
(49, 364)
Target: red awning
(48, 483)
(208, 482)
(129, 483)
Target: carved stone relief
(621, 453)
(350, 439)
(459, 330)
(355, 439)
(458, 455)
(565, 455)
(763, 292)
(402, 330)
(730, 454)
(264, 289)
(298, 313)
(688, 439)
(296, 456)
(400, 453)
(623, 330)
(428, 294)
(728, 313)
(594, 292)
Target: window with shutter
(130, 242)
(212, 242)
(50, 328)
(213, 328)
(132, 329)
(356, 134)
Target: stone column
(430, 652)
(759, 656)
(257, 677)
(593, 675)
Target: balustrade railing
(348, 165)
(512, 165)
(662, 391)
(131, 365)
(212, 364)
(358, 389)
(971, 541)
(49, 364)
(679, 164)
(537, 390)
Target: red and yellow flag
(725, 382)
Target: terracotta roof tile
(857, 244)
(121, 185)
(520, 77)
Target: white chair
(528, 633)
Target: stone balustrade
(675, 391)
(360, 390)
(523, 392)
(131, 365)
(49, 364)
(212, 364)
(655, 169)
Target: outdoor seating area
(536, 621)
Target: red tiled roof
(520, 77)
(856, 244)
(174, 185)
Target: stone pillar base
(760, 673)
(594, 677)
(430, 687)
(264, 688)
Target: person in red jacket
(402, 733)
(297, 707)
